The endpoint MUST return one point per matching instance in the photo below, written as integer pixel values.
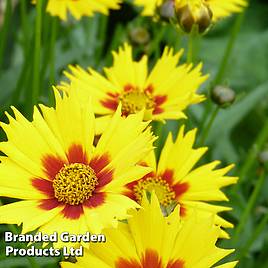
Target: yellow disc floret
(135, 100)
(75, 183)
(161, 188)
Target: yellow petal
(28, 213)
(16, 182)
(80, 8)
(228, 265)
(114, 208)
(62, 224)
(135, 73)
(71, 122)
(125, 148)
(26, 146)
(183, 147)
(207, 188)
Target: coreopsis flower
(218, 8)
(79, 8)
(150, 240)
(164, 92)
(175, 180)
(65, 183)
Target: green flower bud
(223, 96)
(190, 15)
(139, 36)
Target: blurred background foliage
(239, 133)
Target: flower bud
(223, 96)
(139, 36)
(167, 10)
(190, 14)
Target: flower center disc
(134, 101)
(162, 190)
(75, 183)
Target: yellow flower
(79, 8)
(219, 8)
(150, 240)
(175, 180)
(164, 92)
(64, 182)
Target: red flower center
(167, 190)
(135, 100)
(164, 193)
(75, 183)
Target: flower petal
(134, 74)
(182, 147)
(107, 215)
(27, 212)
(16, 182)
(71, 122)
(125, 148)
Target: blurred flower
(223, 96)
(219, 8)
(79, 8)
(175, 181)
(150, 240)
(164, 93)
(65, 182)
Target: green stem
(225, 59)
(192, 44)
(229, 48)
(209, 125)
(154, 44)
(252, 155)
(37, 53)
(54, 31)
(21, 81)
(23, 17)
(27, 50)
(5, 31)
(207, 108)
(190, 50)
(258, 230)
(102, 35)
(250, 205)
